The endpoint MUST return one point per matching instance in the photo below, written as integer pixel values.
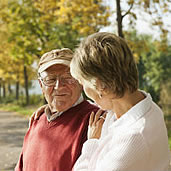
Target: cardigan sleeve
(124, 153)
(120, 153)
(89, 147)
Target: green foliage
(22, 27)
(158, 66)
(154, 62)
(34, 100)
(30, 28)
(8, 99)
(83, 17)
(168, 125)
(165, 97)
(19, 106)
(169, 135)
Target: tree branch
(128, 11)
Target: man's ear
(40, 83)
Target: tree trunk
(119, 18)
(17, 90)
(9, 89)
(26, 84)
(4, 90)
(141, 69)
(0, 91)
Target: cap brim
(43, 67)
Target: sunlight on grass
(25, 111)
(169, 135)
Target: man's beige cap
(57, 56)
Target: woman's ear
(101, 87)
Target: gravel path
(12, 131)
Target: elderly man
(54, 141)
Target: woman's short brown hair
(107, 57)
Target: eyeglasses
(50, 80)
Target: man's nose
(58, 84)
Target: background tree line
(29, 28)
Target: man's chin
(59, 106)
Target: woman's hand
(36, 114)
(95, 124)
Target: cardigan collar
(135, 113)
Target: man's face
(60, 89)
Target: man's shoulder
(88, 105)
(83, 110)
(40, 119)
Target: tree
(165, 96)
(32, 30)
(84, 17)
(154, 8)
(19, 17)
(153, 60)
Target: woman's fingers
(95, 117)
(101, 120)
(96, 124)
(99, 124)
(91, 120)
(103, 116)
(98, 114)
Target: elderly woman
(133, 136)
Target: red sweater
(56, 145)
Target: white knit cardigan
(137, 141)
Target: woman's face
(103, 102)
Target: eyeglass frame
(57, 78)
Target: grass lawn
(23, 110)
(169, 134)
(168, 125)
